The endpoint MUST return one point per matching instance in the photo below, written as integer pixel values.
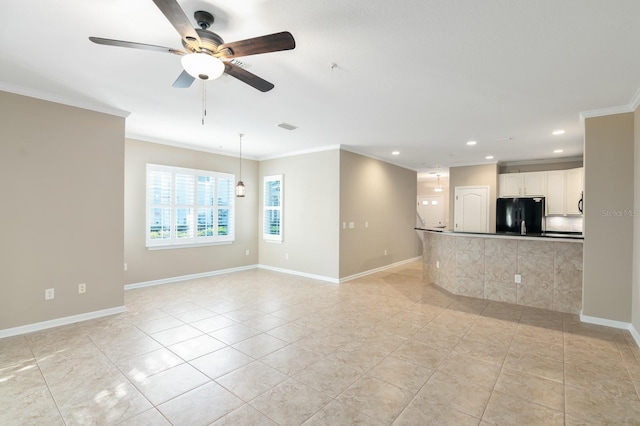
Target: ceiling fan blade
(253, 46)
(247, 77)
(174, 13)
(133, 45)
(183, 81)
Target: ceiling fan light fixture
(202, 66)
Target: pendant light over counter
(438, 187)
(241, 190)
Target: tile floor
(263, 348)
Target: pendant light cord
(241, 156)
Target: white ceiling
(418, 76)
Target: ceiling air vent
(286, 126)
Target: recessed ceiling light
(558, 132)
(557, 151)
(489, 157)
(470, 143)
(395, 153)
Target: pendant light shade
(438, 187)
(202, 66)
(241, 190)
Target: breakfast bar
(538, 271)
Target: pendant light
(240, 188)
(438, 187)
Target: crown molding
(184, 145)
(63, 100)
(543, 161)
(621, 109)
(301, 152)
(355, 150)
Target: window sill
(180, 246)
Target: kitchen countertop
(545, 235)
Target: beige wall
(635, 304)
(310, 217)
(608, 244)
(541, 167)
(483, 175)
(149, 265)
(62, 174)
(383, 195)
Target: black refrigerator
(511, 212)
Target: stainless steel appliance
(520, 215)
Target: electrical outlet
(246, 252)
(385, 252)
(49, 294)
(437, 264)
(352, 225)
(518, 279)
(126, 267)
(286, 256)
(82, 288)
(366, 224)
(344, 225)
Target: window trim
(195, 241)
(266, 236)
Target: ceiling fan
(206, 52)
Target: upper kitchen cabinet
(564, 192)
(575, 190)
(556, 192)
(522, 184)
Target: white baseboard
(300, 274)
(635, 334)
(29, 328)
(380, 269)
(188, 277)
(268, 268)
(613, 324)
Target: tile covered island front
(487, 266)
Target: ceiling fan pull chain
(204, 100)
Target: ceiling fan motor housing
(209, 41)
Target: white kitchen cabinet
(534, 183)
(509, 184)
(522, 184)
(564, 191)
(575, 190)
(556, 192)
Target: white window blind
(188, 207)
(273, 200)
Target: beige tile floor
(263, 348)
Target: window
(188, 207)
(272, 206)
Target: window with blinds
(272, 208)
(188, 207)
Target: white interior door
(471, 209)
(431, 210)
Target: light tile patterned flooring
(264, 348)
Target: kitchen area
(510, 233)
